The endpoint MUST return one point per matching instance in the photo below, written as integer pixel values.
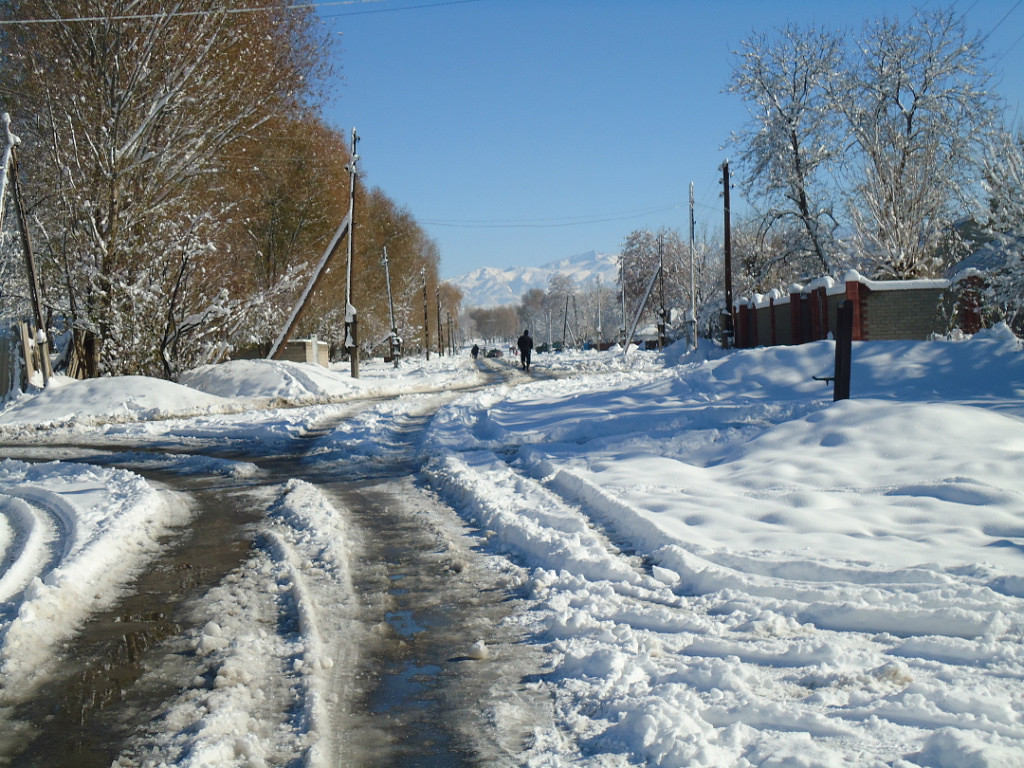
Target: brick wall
(909, 314)
(882, 311)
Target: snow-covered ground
(725, 567)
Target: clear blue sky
(519, 132)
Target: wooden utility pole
(393, 339)
(440, 332)
(662, 319)
(351, 320)
(727, 326)
(10, 171)
(565, 324)
(426, 314)
(622, 286)
(691, 322)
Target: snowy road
(699, 561)
(346, 628)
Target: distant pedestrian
(474, 351)
(525, 345)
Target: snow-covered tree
(1004, 183)
(918, 109)
(1003, 293)
(642, 252)
(791, 138)
(130, 111)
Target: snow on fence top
(834, 288)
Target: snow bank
(67, 402)
(237, 387)
(277, 380)
(731, 569)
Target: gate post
(844, 351)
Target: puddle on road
(403, 622)
(402, 686)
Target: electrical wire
(568, 221)
(227, 11)
(1000, 22)
(396, 10)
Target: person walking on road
(525, 345)
(475, 351)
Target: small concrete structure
(310, 350)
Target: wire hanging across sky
(248, 9)
(567, 221)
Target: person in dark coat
(525, 345)
(474, 351)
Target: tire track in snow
(27, 547)
(783, 646)
(943, 616)
(44, 533)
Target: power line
(1012, 46)
(1000, 22)
(396, 10)
(568, 221)
(227, 11)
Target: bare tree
(642, 252)
(791, 139)
(918, 109)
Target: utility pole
(426, 317)
(727, 327)
(440, 333)
(622, 285)
(661, 310)
(565, 324)
(351, 321)
(10, 169)
(576, 340)
(394, 341)
(600, 335)
(691, 321)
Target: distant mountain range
(494, 286)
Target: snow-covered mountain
(494, 286)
